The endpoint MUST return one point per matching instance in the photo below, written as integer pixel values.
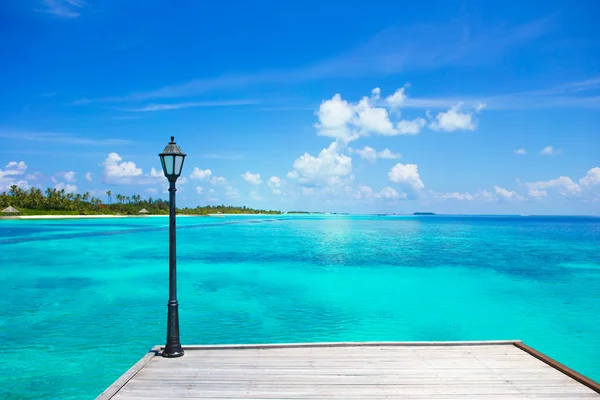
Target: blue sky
(452, 107)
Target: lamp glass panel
(178, 164)
(168, 160)
(162, 163)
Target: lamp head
(172, 160)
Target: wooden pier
(382, 370)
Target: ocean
(83, 300)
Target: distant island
(423, 213)
(58, 202)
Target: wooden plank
(344, 344)
(429, 370)
(595, 386)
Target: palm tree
(109, 194)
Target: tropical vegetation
(34, 201)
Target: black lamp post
(172, 162)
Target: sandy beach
(75, 216)
(30, 217)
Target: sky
(379, 107)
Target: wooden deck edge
(127, 376)
(346, 344)
(595, 386)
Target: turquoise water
(82, 301)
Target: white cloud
(479, 106)
(119, 172)
(218, 180)
(346, 122)
(367, 153)
(176, 106)
(373, 119)
(70, 176)
(158, 173)
(387, 154)
(365, 193)
(507, 195)
(397, 99)
(63, 138)
(537, 193)
(403, 48)
(563, 185)
(549, 150)
(316, 170)
(376, 93)
(413, 127)
(67, 187)
(334, 117)
(480, 196)
(11, 175)
(520, 152)
(249, 177)
(274, 183)
(200, 174)
(455, 196)
(199, 189)
(406, 174)
(16, 166)
(453, 120)
(485, 196)
(391, 193)
(206, 175)
(33, 176)
(88, 176)
(371, 155)
(592, 178)
(63, 8)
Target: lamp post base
(173, 347)
(172, 353)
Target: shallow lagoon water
(83, 300)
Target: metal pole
(173, 346)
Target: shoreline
(229, 215)
(109, 216)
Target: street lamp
(172, 161)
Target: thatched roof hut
(10, 210)
(144, 211)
